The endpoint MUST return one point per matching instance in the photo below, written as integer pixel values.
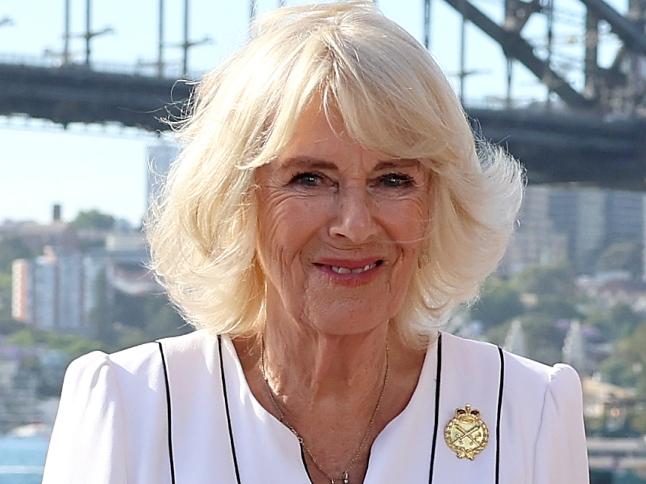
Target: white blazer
(179, 411)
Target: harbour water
(22, 459)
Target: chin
(344, 321)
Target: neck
(316, 367)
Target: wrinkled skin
(326, 197)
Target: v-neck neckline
(414, 403)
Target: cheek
(406, 222)
(286, 224)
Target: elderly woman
(328, 211)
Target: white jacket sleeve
(88, 440)
(561, 454)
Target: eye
(396, 180)
(309, 179)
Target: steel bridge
(595, 134)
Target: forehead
(318, 132)
(322, 142)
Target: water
(22, 459)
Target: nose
(354, 219)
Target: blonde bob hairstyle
(392, 98)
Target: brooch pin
(466, 434)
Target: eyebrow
(309, 162)
(323, 164)
(398, 163)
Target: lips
(358, 270)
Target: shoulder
(558, 378)
(541, 391)
(140, 356)
(539, 406)
(136, 365)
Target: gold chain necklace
(345, 475)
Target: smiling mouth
(346, 270)
(339, 269)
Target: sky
(92, 166)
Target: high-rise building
(624, 217)
(536, 242)
(574, 224)
(35, 290)
(579, 213)
(21, 278)
(48, 291)
(69, 274)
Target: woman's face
(341, 229)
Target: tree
(617, 322)
(150, 313)
(166, 322)
(10, 249)
(622, 256)
(101, 316)
(553, 289)
(5, 296)
(546, 339)
(627, 365)
(93, 219)
(499, 301)
(555, 280)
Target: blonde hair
(392, 97)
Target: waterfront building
(34, 290)
(54, 291)
(574, 224)
(625, 217)
(580, 214)
(536, 242)
(61, 290)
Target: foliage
(638, 419)
(93, 219)
(12, 248)
(539, 328)
(617, 322)
(538, 298)
(72, 345)
(499, 301)
(9, 326)
(622, 256)
(627, 365)
(554, 280)
(100, 317)
(121, 320)
(5, 296)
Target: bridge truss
(590, 133)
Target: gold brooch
(466, 434)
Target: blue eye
(308, 179)
(396, 180)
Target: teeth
(345, 270)
(341, 270)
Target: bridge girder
(75, 94)
(517, 47)
(626, 30)
(554, 147)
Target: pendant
(344, 479)
(466, 434)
